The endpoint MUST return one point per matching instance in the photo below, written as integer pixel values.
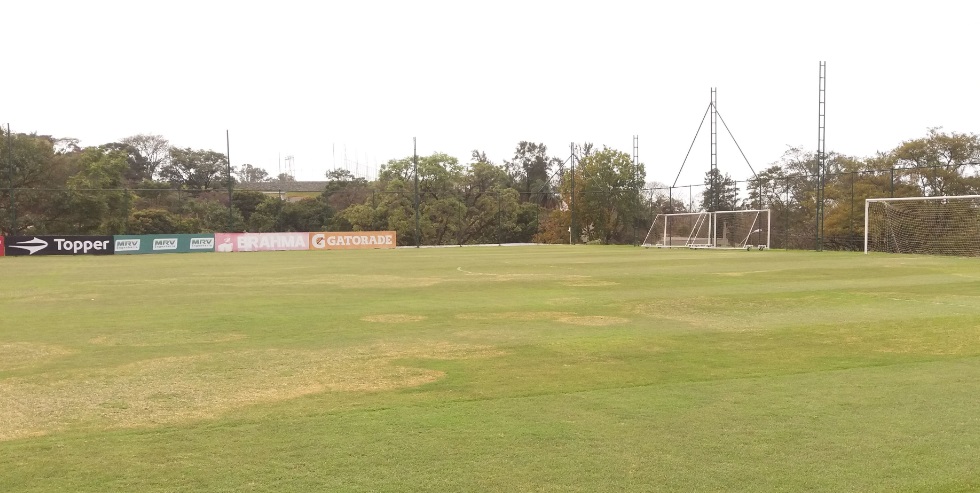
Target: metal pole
(231, 208)
(415, 164)
(865, 227)
(499, 213)
(10, 169)
(713, 197)
(571, 226)
(850, 221)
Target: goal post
(941, 225)
(734, 229)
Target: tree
(344, 190)
(155, 221)
(248, 201)
(153, 153)
(606, 200)
(720, 192)
(530, 171)
(196, 169)
(97, 202)
(137, 168)
(940, 163)
(32, 170)
(252, 174)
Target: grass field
(490, 369)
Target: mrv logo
(127, 245)
(59, 245)
(165, 244)
(202, 243)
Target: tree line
(144, 185)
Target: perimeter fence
(465, 217)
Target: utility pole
(571, 226)
(10, 169)
(231, 209)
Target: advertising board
(260, 242)
(357, 240)
(1, 246)
(182, 243)
(58, 245)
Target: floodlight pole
(821, 154)
(713, 199)
(10, 169)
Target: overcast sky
(313, 79)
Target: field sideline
(545, 368)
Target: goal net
(720, 229)
(926, 225)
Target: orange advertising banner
(356, 240)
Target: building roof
(283, 186)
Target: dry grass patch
(514, 316)
(569, 301)
(17, 355)
(393, 318)
(151, 338)
(594, 320)
(589, 283)
(182, 388)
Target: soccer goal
(926, 225)
(741, 229)
(721, 229)
(680, 229)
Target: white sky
(309, 79)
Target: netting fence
(466, 217)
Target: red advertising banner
(357, 240)
(1, 246)
(260, 242)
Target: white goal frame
(702, 225)
(704, 232)
(943, 198)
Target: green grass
(490, 369)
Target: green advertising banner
(136, 244)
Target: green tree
(530, 171)
(196, 169)
(720, 192)
(940, 163)
(251, 174)
(247, 202)
(152, 153)
(155, 221)
(610, 204)
(97, 202)
(344, 190)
